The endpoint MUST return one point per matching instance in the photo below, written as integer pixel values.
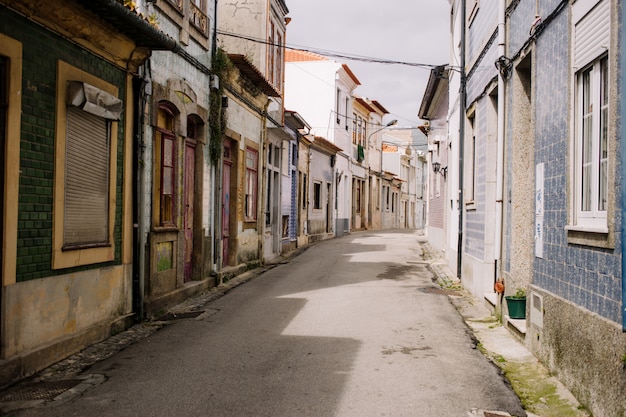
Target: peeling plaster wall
(41, 312)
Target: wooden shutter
(86, 220)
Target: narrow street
(353, 326)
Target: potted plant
(516, 304)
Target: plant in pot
(516, 304)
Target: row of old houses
(528, 122)
(153, 149)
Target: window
(377, 182)
(364, 133)
(85, 163)
(251, 184)
(338, 106)
(302, 190)
(275, 55)
(198, 17)
(387, 196)
(317, 195)
(591, 38)
(279, 62)
(470, 185)
(272, 206)
(354, 129)
(272, 53)
(165, 168)
(592, 144)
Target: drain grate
(45, 390)
(180, 316)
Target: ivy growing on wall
(217, 115)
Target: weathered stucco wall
(43, 312)
(584, 351)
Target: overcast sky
(414, 31)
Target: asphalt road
(353, 326)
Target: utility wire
(332, 54)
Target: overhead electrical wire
(333, 54)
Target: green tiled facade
(41, 51)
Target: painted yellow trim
(70, 258)
(127, 193)
(13, 50)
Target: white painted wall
(310, 90)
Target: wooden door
(188, 206)
(226, 168)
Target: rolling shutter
(86, 179)
(591, 33)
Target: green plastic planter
(516, 306)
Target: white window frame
(251, 185)
(594, 213)
(591, 38)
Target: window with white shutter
(591, 39)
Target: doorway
(188, 206)
(226, 170)
(329, 209)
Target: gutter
(131, 24)
(462, 98)
(500, 140)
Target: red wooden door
(188, 200)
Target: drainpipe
(143, 92)
(261, 185)
(217, 178)
(622, 83)
(500, 146)
(462, 94)
(214, 40)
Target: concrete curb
(541, 394)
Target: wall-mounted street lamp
(438, 169)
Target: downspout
(622, 82)
(214, 40)
(462, 93)
(261, 182)
(218, 176)
(500, 139)
(144, 92)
